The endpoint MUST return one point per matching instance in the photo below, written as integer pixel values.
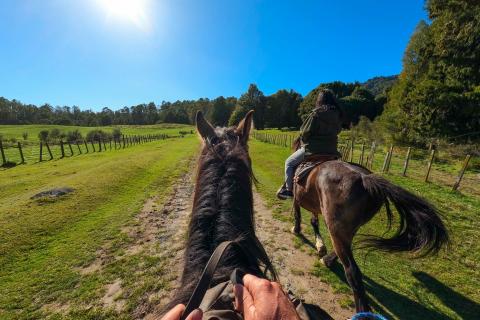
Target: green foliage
(282, 109)
(25, 135)
(116, 133)
(379, 85)
(96, 135)
(253, 99)
(238, 114)
(74, 135)
(43, 135)
(221, 111)
(438, 93)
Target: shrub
(54, 134)
(96, 134)
(25, 135)
(116, 133)
(43, 135)
(73, 136)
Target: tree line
(283, 109)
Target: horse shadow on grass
(394, 304)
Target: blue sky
(92, 54)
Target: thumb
(243, 300)
(195, 315)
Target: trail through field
(292, 264)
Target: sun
(134, 11)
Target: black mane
(222, 210)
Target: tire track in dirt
(294, 265)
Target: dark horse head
(222, 208)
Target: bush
(96, 135)
(43, 135)
(25, 135)
(54, 134)
(73, 136)
(116, 133)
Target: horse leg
(298, 218)
(329, 259)
(343, 248)
(319, 244)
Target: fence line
(347, 149)
(128, 141)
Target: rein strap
(207, 276)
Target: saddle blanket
(309, 164)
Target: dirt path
(294, 265)
(169, 225)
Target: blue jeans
(290, 164)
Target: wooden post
(390, 154)
(430, 163)
(21, 152)
(104, 146)
(49, 151)
(110, 140)
(86, 145)
(79, 149)
(41, 153)
(4, 159)
(385, 161)
(70, 146)
(362, 154)
(407, 160)
(352, 148)
(99, 145)
(123, 138)
(62, 149)
(371, 155)
(93, 146)
(462, 172)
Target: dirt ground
(293, 265)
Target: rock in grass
(53, 193)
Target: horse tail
(421, 229)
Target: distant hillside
(378, 85)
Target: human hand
(177, 311)
(260, 299)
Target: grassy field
(31, 148)
(44, 242)
(441, 287)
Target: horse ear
(243, 128)
(205, 129)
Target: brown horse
(348, 196)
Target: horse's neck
(222, 211)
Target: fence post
(4, 159)
(123, 138)
(62, 149)
(371, 155)
(104, 145)
(93, 146)
(462, 172)
(110, 140)
(49, 151)
(352, 148)
(432, 156)
(385, 161)
(86, 145)
(390, 153)
(407, 160)
(99, 145)
(41, 153)
(71, 150)
(21, 152)
(78, 146)
(362, 154)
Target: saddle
(309, 163)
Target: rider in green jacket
(318, 135)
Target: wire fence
(431, 165)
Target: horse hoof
(322, 251)
(327, 262)
(295, 230)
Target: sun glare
(134, 11)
